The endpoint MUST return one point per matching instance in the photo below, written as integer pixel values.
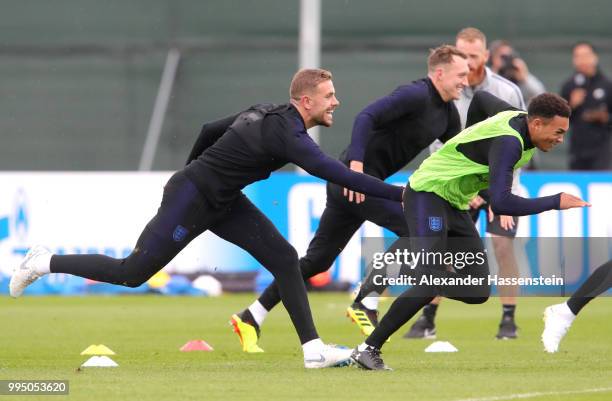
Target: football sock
(43, 265)
(566, 311)
(370, 302)
(508, 311)
(258, 311)
(429, 311)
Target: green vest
(454, 177)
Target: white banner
(76, 213)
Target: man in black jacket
(207, 195)
(589, 94)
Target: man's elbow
(503, 210)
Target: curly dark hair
(548, 105)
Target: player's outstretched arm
(403, 102)
(311, 158)
(284, 142)
(356, 166)
(504, 202)
(504, 153)
(317, 163)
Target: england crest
(435, 223)
(179, 233)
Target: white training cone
(99, 362)
(441, 346)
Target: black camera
(507, 69)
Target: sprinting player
(436, 205)
(558, 318)
(387, 134)
(502, 229)
(207, 195)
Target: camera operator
(506, 62)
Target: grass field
(42, 337)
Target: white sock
(362, 347)
(43, 264)
(566, 311)
(259, 312)
(370, 302)
(313, 346)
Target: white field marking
(537, 394)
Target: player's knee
(133, 283)
(134, 274)
(479, 295)
(135, 279)
(475, 300)
(310, 267)
(290, 254)
(287, 257)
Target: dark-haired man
(207, 195)
(436, 204)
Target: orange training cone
(321, 279)
(196, 345)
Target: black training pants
(338, 223)
(435, 226)
(183, 215)
(597, 283)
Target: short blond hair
(471, 34)
(443, 55)
(306, 80)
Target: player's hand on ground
(569, 201)
(476, 202)
(358, 167)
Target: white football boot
(557, 321)
(329, 356)
(29, 270)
